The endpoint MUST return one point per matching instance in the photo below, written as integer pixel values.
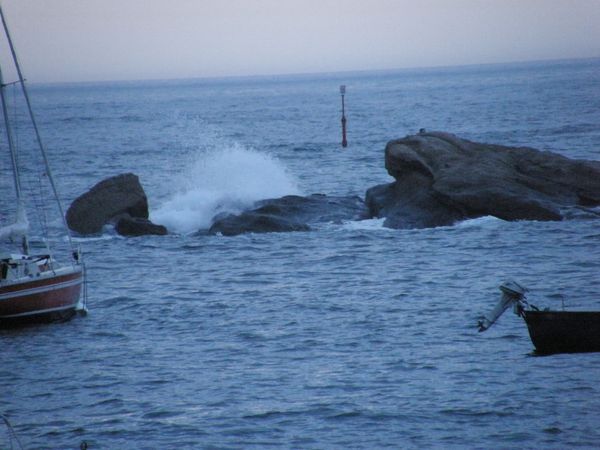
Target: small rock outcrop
(290, 213)
(135, 226)
(254, 222)
(441, 179)
(114, 200)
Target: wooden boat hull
(564, 331)
(54, 297)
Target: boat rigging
(34, 285)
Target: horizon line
(317, 73)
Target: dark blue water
(348, 336)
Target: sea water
(351, 335)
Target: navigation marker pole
(343, 92)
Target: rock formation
(136, 226)
(254, 222)
(290, 213)
(441, 179)
(119, 199)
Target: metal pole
(343, 92)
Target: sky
(93, 40)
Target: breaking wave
(223, 180)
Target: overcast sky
(85, 40)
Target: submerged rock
(441, 179)
(290, 213)
(316, 208)
(109, 201)
(252, 222)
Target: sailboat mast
(13, 155)
(9, 137)
(35, 127)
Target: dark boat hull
(564, 331)
(45, 299)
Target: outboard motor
(513, 294)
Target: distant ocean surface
(348, 336)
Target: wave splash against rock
(440, 179)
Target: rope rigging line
(30, 182)
(12, 435)
(35, 128)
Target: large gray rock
(107, 202)
(441, 179)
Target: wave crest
(225, 180)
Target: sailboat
(34, 285)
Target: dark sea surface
(348, 336)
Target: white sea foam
(104, 237)
(228, 179)
(367, 225)
(481, 222)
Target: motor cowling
(512, 295)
